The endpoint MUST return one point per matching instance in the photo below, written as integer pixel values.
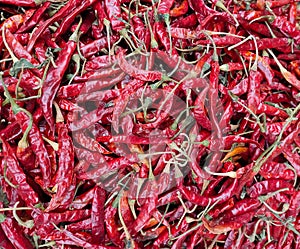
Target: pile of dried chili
(149, 124)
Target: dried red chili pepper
(63, 178)
(286, 27)
(14, 171)
(180, 10)
(93, 47)
(15, 234)
(70, 18)
(22, 3)
(268, 186)
(63, 12)
(204, 200)
(246, 114)
(54, 77)
(111, 225)
(277, 171)
(185, 22)
(113, 10)
(5, 243)
(34, 19)
(97, 215)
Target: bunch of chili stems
(65, 185)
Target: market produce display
(149, 124)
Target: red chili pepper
(113, 10)
(70, 91)
(286, 27)
(38, 147)
(220, 41)
(100, 13)
(165, 6)
(84, 199)
(34, 19)
(53, 79)
(141, 31)
(254, 90)
(93, 47)
(122, 189)
(200, 113)
(263, 65)
(17, 175)
(63, 12)
(203, 200)
(63, 178)
(294, 205)
(80, 225)
(97, 215)
(26, 157)
(293, 12)
(174, 230)
(185, 22)
(276, 171)
(43, 221)
(15, 234)
(242, 207)
(225, 225)
(99, 62)
(265, 43)
(231, 66)
(267, 186)
(162, 34)
(146, 210)
(22, 3)
(110, 76)
(18, 49)
(111, 225)
(200, 7)
(11, 132)
(260, 28)
(180, 10)
(136, 73)
(68, 105)
(271, 110)
(87, 23)
(5, 243)
(68, 20)
(89, 143)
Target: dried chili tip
(236, 151)
(217, 229)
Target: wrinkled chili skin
(38, 147)
(63, 177)
(97, 215)
(70, 18)
(64, 11)
(203, 200)
(15, 234)
(268, 186)
(5, 243)
(52, 82)
(21, 3)
(16, 173)
(96, 150)
(111, 226)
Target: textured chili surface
(149, 124)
